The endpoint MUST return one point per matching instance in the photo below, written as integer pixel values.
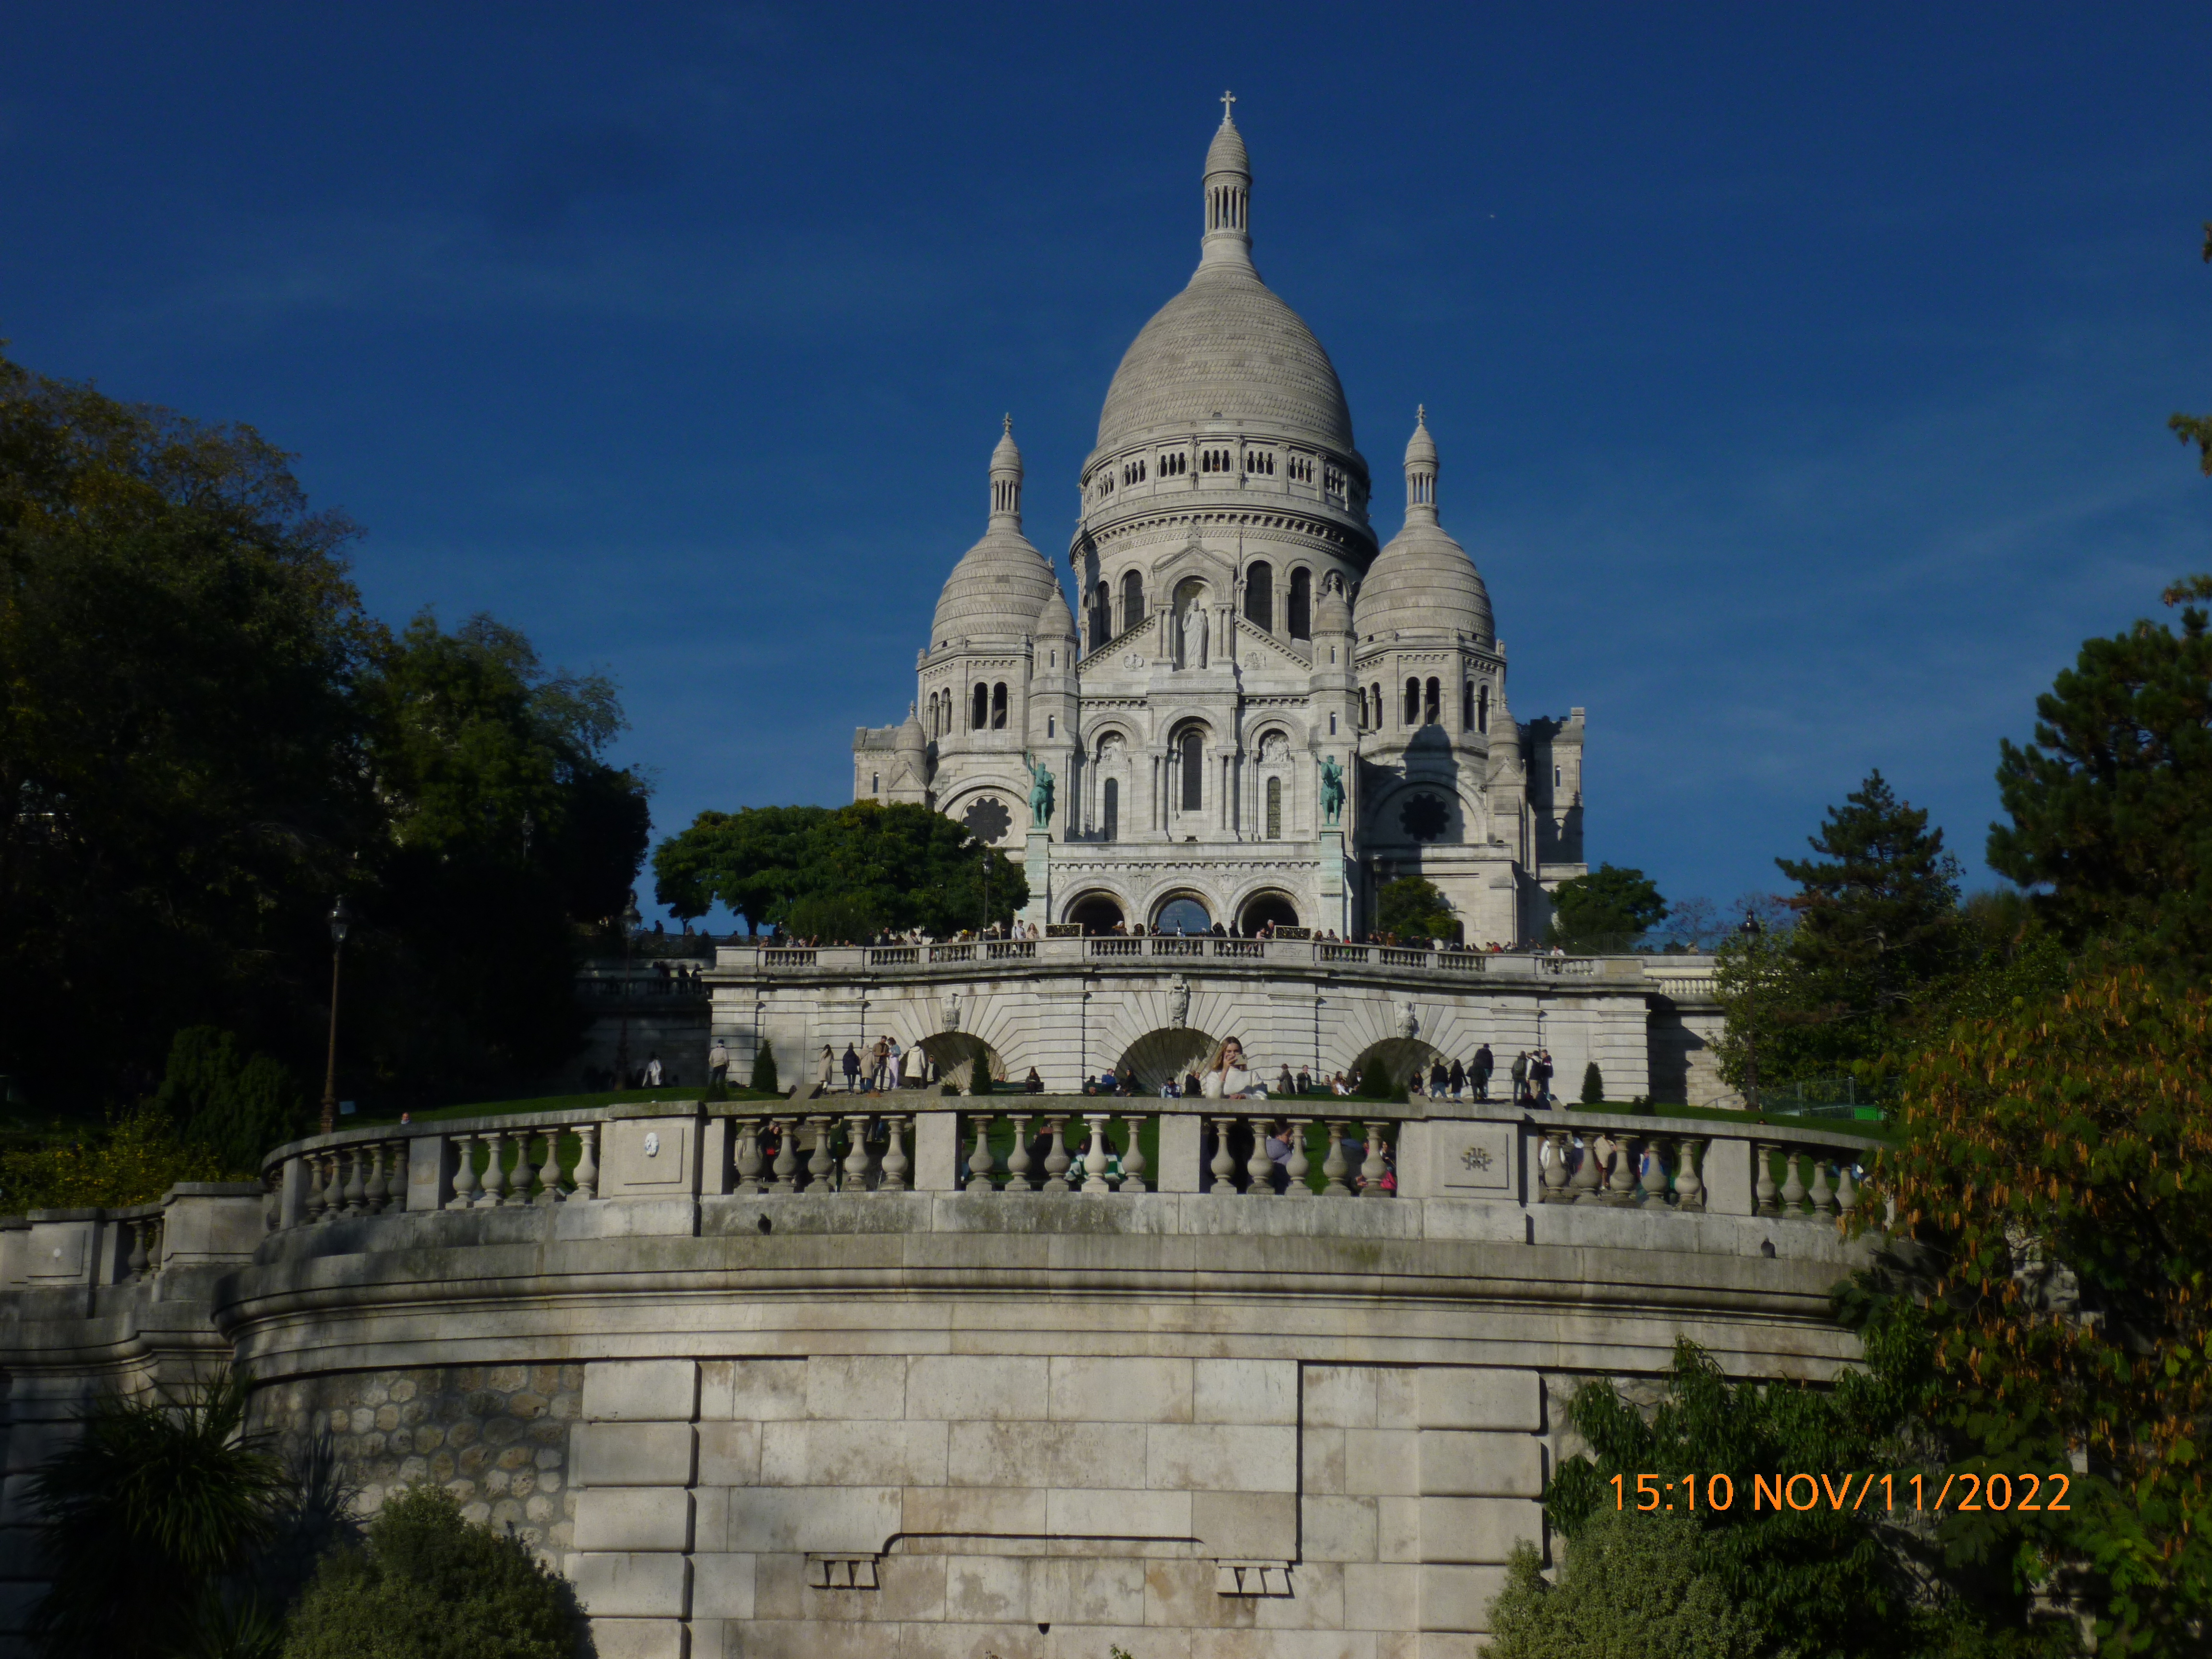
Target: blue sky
(1801, 375)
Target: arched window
(1193, 772)
(1133, 601)
(1109, 808)
(1275, 808)
(1371, 709)
(1102, 625)
(1299, 622)
(1412, 703)
(1467, 707)
(999, 705)
(980, 716)
(1259, 594)
(1331, 722)
(1433, 712)
(1482, 709)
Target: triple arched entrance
(1184, 912)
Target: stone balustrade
(1296, 1148)
(194, 1223)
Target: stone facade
(1238, 634)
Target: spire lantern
(1228, 193)
(1006, 480)
(1421, 469)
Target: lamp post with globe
(1750, 932)
(341, 921)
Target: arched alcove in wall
(1262, 910)
(1159, 1055)
(1095, 912)
(961, 1056)
(1182, 913)
(1397, 1056)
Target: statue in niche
(1179, 1004)
(1332, 789)
(1408, 1026)
(1193, 637)
(1039, 792)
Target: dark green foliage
(841, 874)
(764, 1077)
(2111, 804)
(1593, 1086)
(1410, 908)
(154, 1521)
(1633, 1584)
(1607, 910)
(2196, 429)
(429, 1585)
(236, 1106)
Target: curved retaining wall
(882, 1413)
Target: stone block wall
(1039, 1505)
(496, 1437)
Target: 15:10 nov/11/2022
(1979, 1492)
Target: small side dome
(1422, 582)
(1332, 614)
(1001, 583)
(911, 738)
(1055, 622)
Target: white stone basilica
(1242, 644)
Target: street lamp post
(630, 923)
(1751, 931)
(341, 920)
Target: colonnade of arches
(1183, 910)
(987, 711)
(1112, 608)
(1422, 705)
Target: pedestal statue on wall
(1039, 792)
(1332, 789)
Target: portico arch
(1397, 1057)
(1096, 912)
(1265, 907)
(963, 1060)
(1159, 1055)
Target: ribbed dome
(995, 591)
(1055, 620)
(1422, 582)
(1226, 153)
(1226, 348)
(911, 738)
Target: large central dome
(1226, 349)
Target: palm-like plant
(154, 1519)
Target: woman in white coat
(1227, 1077)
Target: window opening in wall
(1133, 601)
(1259, 594)
(1412, 703)
(1299, 623)
(1467, 706)
(875, 783)
(1051, 724)
(1555, 777)
(982, 714)
(1275, 808)
(1109, 808)
(998, 706)
(1432, 707)
(1482, 709)
(1193, 772)
(1332, 725)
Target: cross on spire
(1227, 99)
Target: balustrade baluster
(786, 1167)
(494, 1175)
(1620, 1188)
(333, 1188)
(1551, 1168)
(157, 1241)
(465, 1173)
(1299, 1166)
(1094, 1154)
(894, 1158)
(357, 1194)
(1847, 1187)
(748, 1157)
(550, 1191)
(1372, 1171)
(400, 1176)
(1766, 1198)
(856, 1155)
(819, 1164)
(1690, 1173)
(374, 1191)
(1224, 1166)
(1823, 1195)
(1259, 1169)
(587, 1161)
(137, 1263)
(1793, 1184)
(1019, 1160)
(311, 1206)
(1651, 1177)
(981, 1164)
(1055, 1159)
(1584, 1182)
(1133, 1158)
(1333, 1166)
(520, 1184)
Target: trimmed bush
(430, 1586)
(764, 1078)
(1593, 1086)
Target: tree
(236, 1106)
(1633, 1584)
(1593, 1086)
(839, 873)
(133, 1159)
(1608, 910)
(1410, 908)
(2196, 429)
(429, 1586)
(764, 1078)
(2053, 1169)
(2111, 804)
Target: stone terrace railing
(851, 1146)
(194, 1223)
(1681, 977)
